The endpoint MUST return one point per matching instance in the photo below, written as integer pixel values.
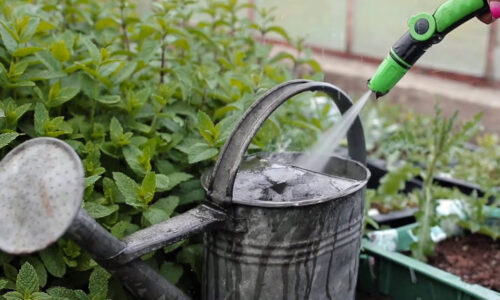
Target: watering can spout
(424, 31)
(44, 178)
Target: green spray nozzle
(424, 31)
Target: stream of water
(317, 156)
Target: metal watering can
(305, 245)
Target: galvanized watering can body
(305, 249)
(295, 250)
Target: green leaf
(21, 84)
(108, 22)
(108, 99)
(40, 270)
(98, 211)
(3, 283)
(65, 293)
(8, 37)
(148, 187)
(395, 180)
(192, 256)
(190, 191)
(22, 52)
(132, 155)
(123, 228)
(27, 280)
(13, 296)
(37, 75)
(125, 72)
(312, 63)
(42, 296)
(201, 152)
(18, 68)
(206, 127)
(49, 60)
(168, 182)
(128, 188)
(58, 96)
(148, 49)
(94, 52)
(171, 271)
(7, 138)
(161, 210)
(162, 183)
(10, 271)
(174, 246)
(98, 284)
(52, 258)
(60, 51)
(21, 110)
(28, 31)
(115, 130)
(154, 215)
(282, 55)
(41, 117)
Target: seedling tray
(398, 276)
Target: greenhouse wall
(357, 28)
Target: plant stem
(92, 108)
(124, 26)
(162, 66)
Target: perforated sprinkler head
(42, 185)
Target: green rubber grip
(455, 12)
(387, 76)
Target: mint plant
(27, 286)
(146, 101)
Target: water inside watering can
(269, 181)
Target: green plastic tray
(403, 278)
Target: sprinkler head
(42, 184)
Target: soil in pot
(475, 258)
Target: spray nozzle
(424, 31)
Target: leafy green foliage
(392, 132)
(146, 101)
(437, 148)
(27, 285)
(98, 284)
(477, 211)
(479, 165)
(388, 196)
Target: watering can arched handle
(224, 174)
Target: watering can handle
(226, 168)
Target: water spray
(424, 31)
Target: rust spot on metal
(46, 199)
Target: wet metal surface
(290, 251)
(41, 191)
(265, 180)
(297, 233)
(175, 229)
(137, 276)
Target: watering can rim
(296, 203)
